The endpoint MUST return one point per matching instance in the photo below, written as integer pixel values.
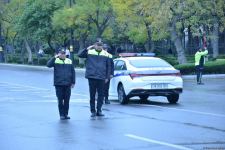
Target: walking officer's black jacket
(97, 64)
(64, 73)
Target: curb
(206, 76)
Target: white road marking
(186, 110)
(31, 88)
(14, 87)
(53, 101)
(26, 86)
(157, 142)
(48, 96)
(22, 90)
(177, 109)
(36, 92)
(79, 94)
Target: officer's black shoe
(100, 114)
(62, 118)
(200, 83)
(67, 117)
(93, 114)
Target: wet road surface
(29, 117)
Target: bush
(173, 60)
(188, 68)
(217, 66)
(17, 59)
(211, 67)
(170, 59)
(221, 57)
(14, 59)
(43, 61)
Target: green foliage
(9, 13)
(221, 57)
(170, 59)
(35, 20)
(42, 61)
(14, 59)
(136, 21)
(91, 18)
(215, 66)
(188, 68)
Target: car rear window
(148, 63)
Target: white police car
(141, 74)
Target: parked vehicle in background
(143, 75)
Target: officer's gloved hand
(57, 55)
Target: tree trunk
(215, 39)
(82, 46)
(50, 45)
(178, 44)
(148, 45)
(152, 46)
(28, 51)
(99, 33)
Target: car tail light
(178, 74)
(134, 75)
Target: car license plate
(159, 86)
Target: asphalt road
(30, 121)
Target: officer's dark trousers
(106, 90)
(199, 71)
(96, 85)
(63, 94)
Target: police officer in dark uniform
(64, 80)
(97, 73)
(106, 87)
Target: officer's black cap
(62, 51)
(99, 43)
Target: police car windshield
(148, 63)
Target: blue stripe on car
(120, 74)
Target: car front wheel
(123, 99)
(173, 98)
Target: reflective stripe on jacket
(97, 64)
(198, 56)
(64, 73)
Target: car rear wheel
(173, 98)
(123, 99)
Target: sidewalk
(205, 76)
(81, 70)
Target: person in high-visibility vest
(64, 80)
(1, 54)
(97, 73)
(199, 63)
(1, 49)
